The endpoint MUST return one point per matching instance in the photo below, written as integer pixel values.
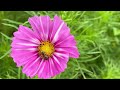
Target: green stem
(19, 72)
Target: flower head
(44, 49)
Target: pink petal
(67, 42)
(25, 33)
(17, 40)
(22, 57)
(59, 29)
(22, 44)
(60, 61)
(68, 45)
(47, 25)
(48, 69)
(41, 70)
(61, 53)
(54, 66)
(41, 25)
(32, 67)
(73, 51)
(45, 73)
(53, 69)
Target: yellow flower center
(46, 49)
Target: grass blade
(12, 21)
(10, 25)
(6, 36)
(5, 54)
(92, 59)
(31, 13)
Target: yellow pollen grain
(47, 48)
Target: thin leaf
(74, 76)
(6, 36)
(10, 25)
(25, 23)
(5, 54)
(92, 59)
(80, 69)
(86, 29)
(28, 12)
(84, 69)
(31, 13)
(10, 77)
(12, 21)
(82, 13)
(93, 52)
(12, 71)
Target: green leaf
(12, 21)
(74, 76)
(93, 52)
(5, 54)
(92, 59)
(116, 31)
(25, 23)
(9, 76)
(10, 25)
(31, 13)
(6, 36)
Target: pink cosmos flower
(45, 49)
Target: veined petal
(27, 34)
(32, 67)
(41, 25)
(18, 45)
(45, 71)
(73, 51)
(48, 66)
(60, 63)
(67, 42)
(68, 45)
(23, 58)
(60, 30)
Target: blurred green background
(98, 39)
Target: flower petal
(27, 34)
(67, 42)
(48, 69)
(73, 51)
(46, 26)
(32, 67)
(59, 29)
(22, 57)
(44, 72)
(41, 26)
(54, 65)
(60, 61)
(68, 45)
(22, 44)
(41, 70)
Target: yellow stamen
(45, 49)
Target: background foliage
(98, 40)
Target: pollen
(46, 49)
